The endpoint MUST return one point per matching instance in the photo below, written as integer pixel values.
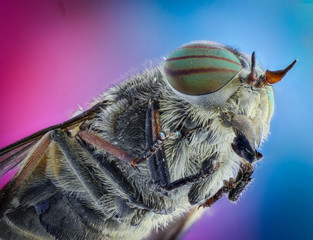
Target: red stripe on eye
(175, 73)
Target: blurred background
(56, 55)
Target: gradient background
(49, 64)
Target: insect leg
(228, 185)
(159, 157)
(193, 178)
(95, 140)
(243, 179)
(156, 146)
(157, 163)
(152, 164)
(233, 186)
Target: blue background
(119, 36)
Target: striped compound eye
(201, 68)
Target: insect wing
(13, 158)
(12, 155)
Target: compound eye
(201, 68)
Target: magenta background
(50, 64)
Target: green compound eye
(201, 68)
